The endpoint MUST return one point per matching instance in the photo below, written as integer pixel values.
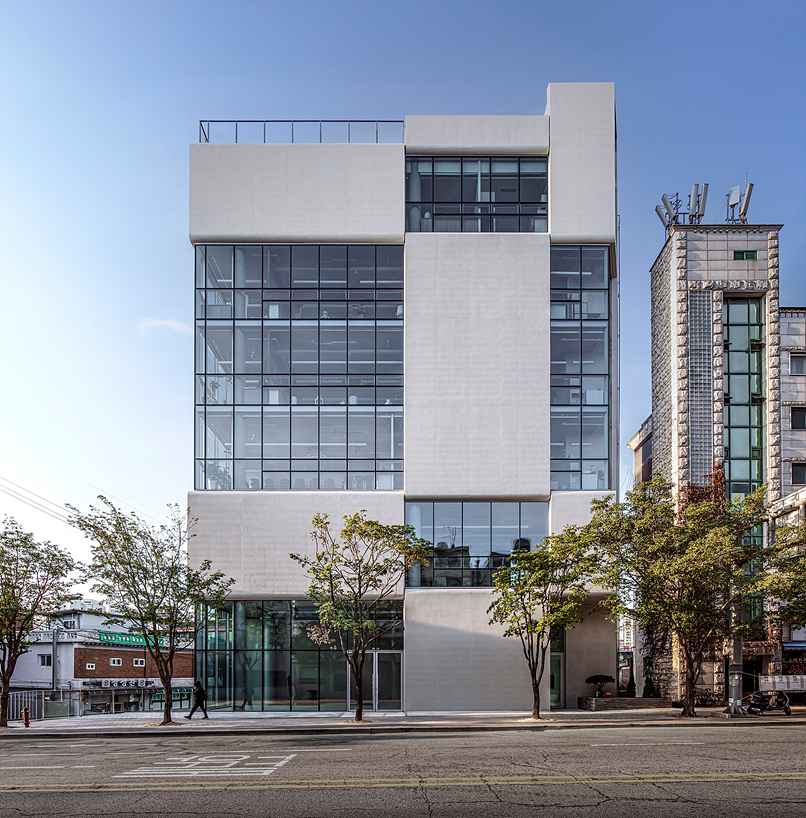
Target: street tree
(543, 589)
(34, 581)
(143, 572)
(351, 579)
(786, 581)
(688, 572)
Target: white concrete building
(474, 257)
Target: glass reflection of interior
(314, 336)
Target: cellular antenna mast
(670, 214)
(741, 200)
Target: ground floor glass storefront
(258, 655)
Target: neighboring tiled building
(728, 386)
(474, 259)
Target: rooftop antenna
(743, 210)
(741, 200)
(696, 203)
(703, 197)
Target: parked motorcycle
(766, 702)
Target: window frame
(45, 659)
(90, 666)
(792, 474)
(797, 413)
(798, 356)
(115, 661)
(138, 661)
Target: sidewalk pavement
(139, 724)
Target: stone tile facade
(701, 258)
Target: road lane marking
(58, 767)
(651, 744)
(389, 783)
(317, 750)
(219, 764)
(83, 766)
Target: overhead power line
(35, 505)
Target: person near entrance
(199, 698)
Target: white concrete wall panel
(297, 193)
(455, 660)
(590, 648)
(571, 508)
(249, 534)
(582, 162)
(477, 135)
(477, 350)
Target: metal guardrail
(55, 704)
(305, 131)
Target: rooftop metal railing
(285, 131)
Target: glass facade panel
(580, 365)
(257, 655)
(477, 194)
(471, 539)
(744, 427)
(308, 327)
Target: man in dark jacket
(199, 698)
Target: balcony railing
(305, 131)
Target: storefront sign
(782, 682)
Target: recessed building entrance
(382, 681)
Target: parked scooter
(763, 701)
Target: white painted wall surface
(477, 350)
(582, 162)
(477, 135)
(455, 660)
(590, 648)
(297, 193)
(571, 508)
(249, 534)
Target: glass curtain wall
(744, 394)
(580, 367)
(299, 367)
(258, 655)
(471, 539)
(490, 194)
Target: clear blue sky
(99, 101)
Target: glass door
(382, 681)
(556, 678)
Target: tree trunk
(358, 673)
(689, 687)
(6, 680)
(536, 694)
(166, 686)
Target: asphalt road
(702, 771)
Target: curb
(349, 729)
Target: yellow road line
(309, 784)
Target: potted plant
(599, 680)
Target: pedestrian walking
(199, 698)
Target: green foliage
(143, 573)
(599, 680)
(542, 589)
(630, 691)
(786, 581)
(687, 573)
(350, 579)
(34, 581)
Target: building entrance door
(382, 681)
(556, 694)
